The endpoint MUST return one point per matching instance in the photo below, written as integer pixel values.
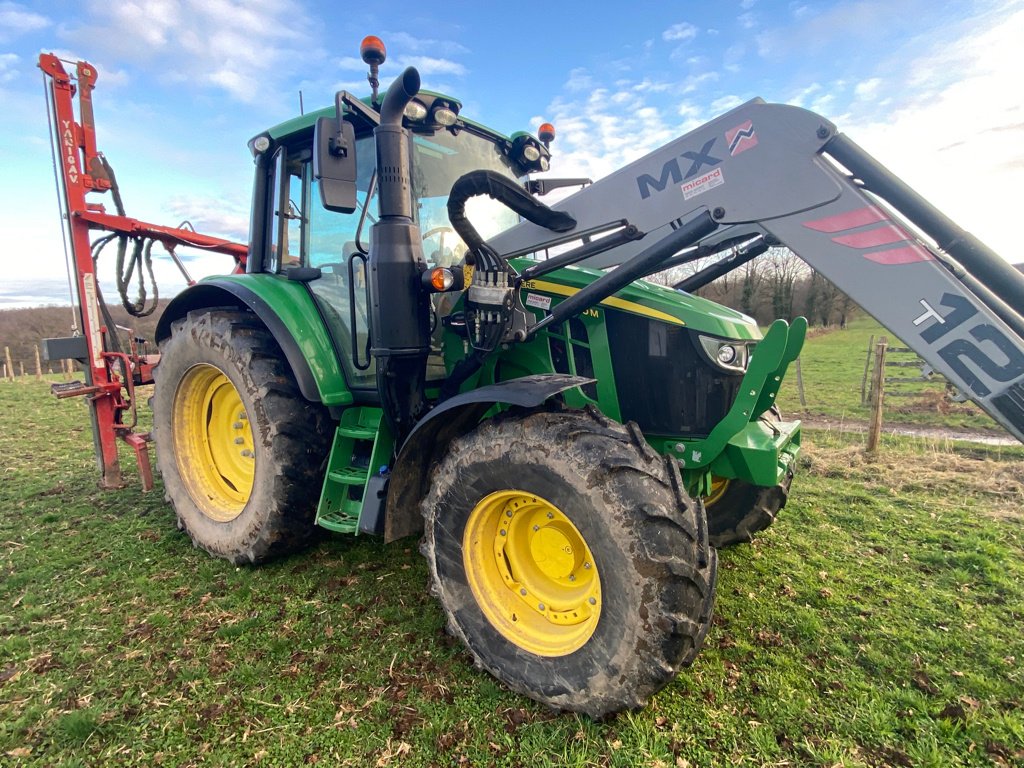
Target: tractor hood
(649, 300)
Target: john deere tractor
(381, 367)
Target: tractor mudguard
(286, 309)
(429, 439)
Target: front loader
(570, 443)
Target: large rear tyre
(241, 452)
(569, 559)
(737, 509)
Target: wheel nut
(586, 565)
(242, 415)
(536, 527)
(592, 601)
(540, 606)
(572, 577)
(551, 515)
(522, 592)
(238, 425)
(239, 440)
(248, 454)
(508, 513)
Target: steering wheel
(440, 233)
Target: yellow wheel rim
(213, 443)
(719, 485)
(531, 573)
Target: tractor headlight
(729, 354)
(415, 110)
(444, 115)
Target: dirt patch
(909, 430)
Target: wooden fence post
(800, 384)
(10, 364)
(867, 367)
(878, 390)
(39, 365)
(21, 366)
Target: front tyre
(569, 559)
(241, 452)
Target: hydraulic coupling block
(494, 311)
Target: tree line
(23, 329)
(777, 284)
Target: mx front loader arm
(786, 174)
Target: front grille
(665, 382)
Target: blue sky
(932, 89)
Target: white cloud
(725, 103)
(579, 80)
(960, 143)
(403, 41)
(16, 19)
(351, 63)
(733, 56)
(234, 45)
(8, 62)
(747, 4)
(801, 97)
(430, 65)
(866, 89)
(815, 32)
(212, 215)
(681, 33)
(695, 82)
(747, 20)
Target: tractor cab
(294, 235)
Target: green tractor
(571, 443)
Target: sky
(931, 89)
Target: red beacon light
(373, 53)
(372, 50)
(546, 133)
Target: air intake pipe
(399, 309)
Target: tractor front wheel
(569, 559)
(738, 509)
(241, 452)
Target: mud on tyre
(569, 559)
(241, 452)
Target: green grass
(879, 623)
(832, 366)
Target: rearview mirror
(334, 164)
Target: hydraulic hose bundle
(141, 258)
(494, 312)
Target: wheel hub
(213, 442)
(532, 573)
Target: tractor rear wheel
(737, 509)
(569, 559)
(241, 452)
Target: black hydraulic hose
(141, 257)
(508, 193)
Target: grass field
(878, 623)
(832, 366)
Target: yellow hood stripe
(611, 301)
